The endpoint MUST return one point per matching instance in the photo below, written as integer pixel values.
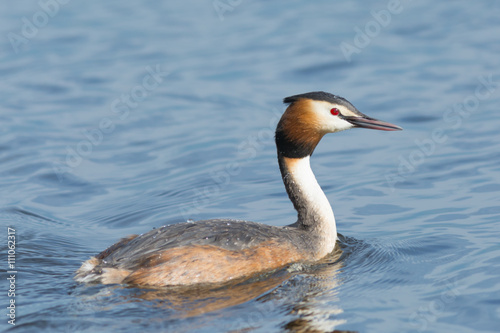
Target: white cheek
(335, 124)
(328, 122)
(343, 125)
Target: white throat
(311, 203)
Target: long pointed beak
(372, 123)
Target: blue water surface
(117, 117)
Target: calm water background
(82, 165)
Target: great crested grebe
(214, 251)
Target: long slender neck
(315, 214)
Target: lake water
(118, 117)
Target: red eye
(335, 111)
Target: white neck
(314, 211)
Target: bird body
(215, 251)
